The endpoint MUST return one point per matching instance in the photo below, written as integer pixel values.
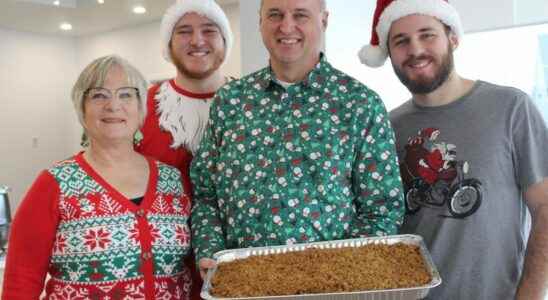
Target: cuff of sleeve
(205, 252)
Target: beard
(425, 85)
(183, 69)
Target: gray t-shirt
(465, 166)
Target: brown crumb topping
(313, 271)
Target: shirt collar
(315, 78)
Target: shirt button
(147, 255)
(140, 213)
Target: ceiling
(86, 16)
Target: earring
(137, 137)
(84, 142)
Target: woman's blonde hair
(94, 75)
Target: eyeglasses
(101, 95)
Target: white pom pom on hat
(207, 8)
(372, 56)
(387, 11)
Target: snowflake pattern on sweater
(103, 244)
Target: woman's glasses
(100, 94)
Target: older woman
(107, 223)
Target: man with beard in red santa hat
(493, 253)
(197, 40)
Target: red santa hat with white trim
(388, 11)
(208, 8)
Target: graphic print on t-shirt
(434, 178)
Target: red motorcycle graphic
(434, 178)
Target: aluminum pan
(391, 294)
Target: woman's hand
(205, 264)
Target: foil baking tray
(412, 293)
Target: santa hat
(429, 132)
(388, 11)
(207, 8)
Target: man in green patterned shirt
(296, 152)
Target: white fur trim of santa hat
(207, 8)
(374, 55)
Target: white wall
(530, 11)
(489, 56)
(490, 14)
(495, 14)
(254, 54)
(140, 45)
(233, 65)
(36, 72)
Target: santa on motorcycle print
(433, 176)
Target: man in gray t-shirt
(473, 158)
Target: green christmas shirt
(312, 162)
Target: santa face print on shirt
(435, 179)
